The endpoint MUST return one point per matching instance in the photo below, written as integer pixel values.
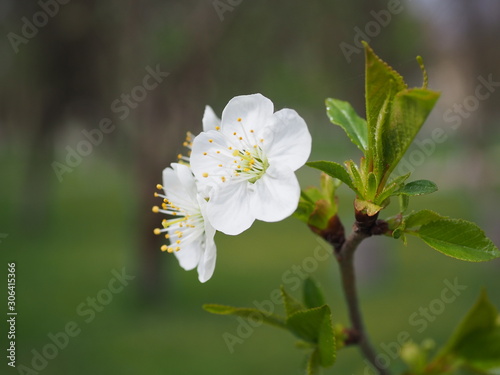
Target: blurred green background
(67, 234)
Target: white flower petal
(276, 195)
(289, 140)
(175, 189)
(206, 265)
(205, 160)
(189, 255)
(210, 120)
(186, 178)
(229, 210)
(253, 110)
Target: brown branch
(364, 227)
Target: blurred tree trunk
(64, 62)
(161, 121)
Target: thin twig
(345, 257)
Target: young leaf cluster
(394, 115)
(473, 348)
(309, 320)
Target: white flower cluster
(241, 168)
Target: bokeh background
(68, 233)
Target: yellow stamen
(157, 231)
(239, 119)
(159, 187)
(156, 209)
(164, 248)
(205, 174)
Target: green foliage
(313, 295)
(341, 113)
(407, 115)
(334, 170)
(474, 346)
(456, 238)
(418, 187)
(317, 206)
(310, 321)
(247, 313)
(394, 115)
(291, 304)
(422, 217)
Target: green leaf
(419, 218)
(481, 349)
(329, 186)
(334, 170)
(304, 210)
(381, 85)
(409, 111)
(247, 313)
(341, 113)
(313, 364)
(313, 295)
(371, 186)
(418, 187)
(391, 187)
(326, 342)
(291, 304)
(481, 317)
(306, 324)
(306, 195)
(394, 113)
(355, 176)
(321, 214)
(404, 201)
(458, 239)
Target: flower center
(252, 164)
(243, 158)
